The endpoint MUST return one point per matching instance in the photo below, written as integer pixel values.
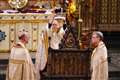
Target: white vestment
(42, 54)
(55, 38)
(20, 64)
(99, 63)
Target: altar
(11, 23)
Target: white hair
(99, 34)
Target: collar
(20, 43)
(101, 44)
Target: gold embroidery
(17, 61)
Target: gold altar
(12, 23)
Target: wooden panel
(107, 15)
(67, 63)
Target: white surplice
(20, 64)
(99, 63)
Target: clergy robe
(42, 54)
(99, 63)
(55, 38)
(20, 64)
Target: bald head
(23, 36)
(98, 34)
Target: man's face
(55, 24)
(95, 40)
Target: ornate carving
(107, 15)
(2, 35)
(30, 16)
(70, 39)
(29, 23)
(68, 63)
(17, 4)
